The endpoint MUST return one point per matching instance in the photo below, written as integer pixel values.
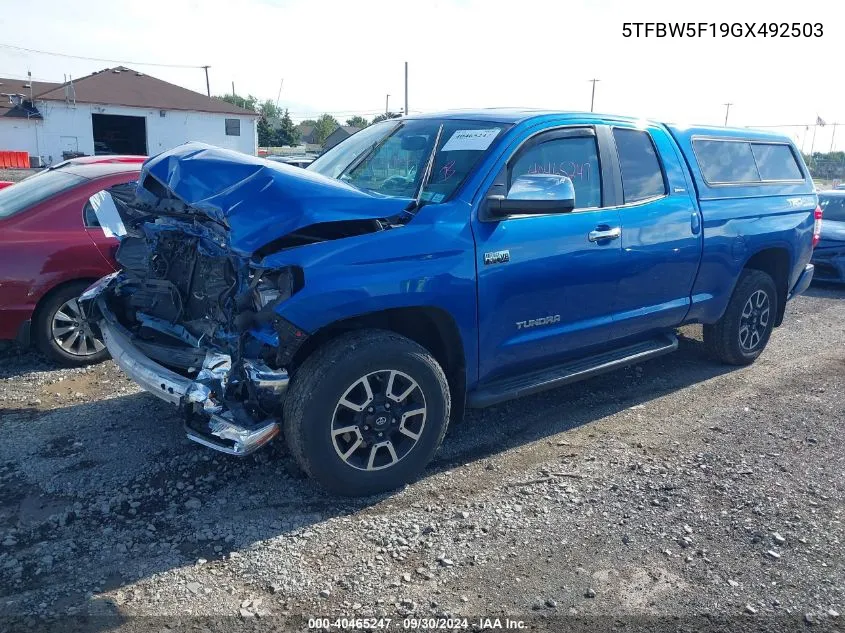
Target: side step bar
(572, 371)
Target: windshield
(35, 189)
(833, 208)
(389, 158)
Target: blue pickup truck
(434, 262)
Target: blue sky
(345, 56)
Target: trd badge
(497, 257)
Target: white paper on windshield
(107, 214)
(477, 140)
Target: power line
(97, 59)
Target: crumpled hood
(257, 200)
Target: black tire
(313, 408)
(42, 329)
(724, 339)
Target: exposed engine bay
(193, 315)
(205, 313)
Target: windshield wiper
(416, 203)
(369, 152)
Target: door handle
(605, 234)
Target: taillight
(817, 226)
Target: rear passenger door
(661, 231)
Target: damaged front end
(193, 317)
(196, 327)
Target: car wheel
(63, 332)
(742, 333)
(366, 412)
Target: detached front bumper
(217, 427)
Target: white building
(116, 111)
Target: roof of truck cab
(517, 115)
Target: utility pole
(386, 102)
(406, 89)
(207, 85)
(813, 142)
(727, 111)
(279, 96)
(593, 96)
(832, 136)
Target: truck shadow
(119, 495)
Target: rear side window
(575, 157)
(726, 161)
(776, 162)
(35, 189)
(124, 191)
(733, 162)
(642, 177)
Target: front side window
(390, 158)
(642, 177)
(575, 157)
(35, 189)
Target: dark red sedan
(51, 249)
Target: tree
(265, 133)
(386, 116)
(287, 133)
(324, 126)
(357, 121)
(269, 110)
(310, 122)
(247, 103)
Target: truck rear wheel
(366, 412)
(742, 333)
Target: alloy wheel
(73, 331)
(754, 320)
(378, 420)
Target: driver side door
(547, 283)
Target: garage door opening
(118, 134)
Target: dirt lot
(675, 489)
(16, 175)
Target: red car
(51, 250)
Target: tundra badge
(521, 325)
(497, 257)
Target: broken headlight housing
(274, 286)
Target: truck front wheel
(740, 336)
(366, 412)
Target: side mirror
(535, 194)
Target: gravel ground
(16, 175)
(680, 488)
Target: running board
(573, 371)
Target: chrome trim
(158, 380)
(610, 234)
(246, 440)
(179, 390)
(263, 377)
